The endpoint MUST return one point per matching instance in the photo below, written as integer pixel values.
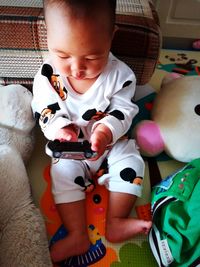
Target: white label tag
(166, 254)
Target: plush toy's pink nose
(149, 138)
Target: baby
(82, 90)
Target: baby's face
(79, 48)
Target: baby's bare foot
(73, 244)
(119, 230)
(146, 226)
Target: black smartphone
(70, 150)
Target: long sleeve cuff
(51, 130)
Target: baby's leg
(68, 187)
(124, 181)
(119, 226)
(77, 241)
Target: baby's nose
(78, 65)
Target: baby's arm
(50, 112)
(121, 110)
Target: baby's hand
(100, 138)
(67, 133)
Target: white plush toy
(175, 120)
(23, 241)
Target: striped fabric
(23, 45)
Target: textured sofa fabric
(23, 45)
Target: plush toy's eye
(197, 109)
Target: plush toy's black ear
(47, 71)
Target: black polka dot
(127, 83)
(80, 181)
(47, 71)
(89, 114)
(117, 114)
(197, 109)
(54, 107)
(128, 174)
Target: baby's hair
(85, 8)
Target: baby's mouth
(79, 76)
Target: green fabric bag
(175, 235)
